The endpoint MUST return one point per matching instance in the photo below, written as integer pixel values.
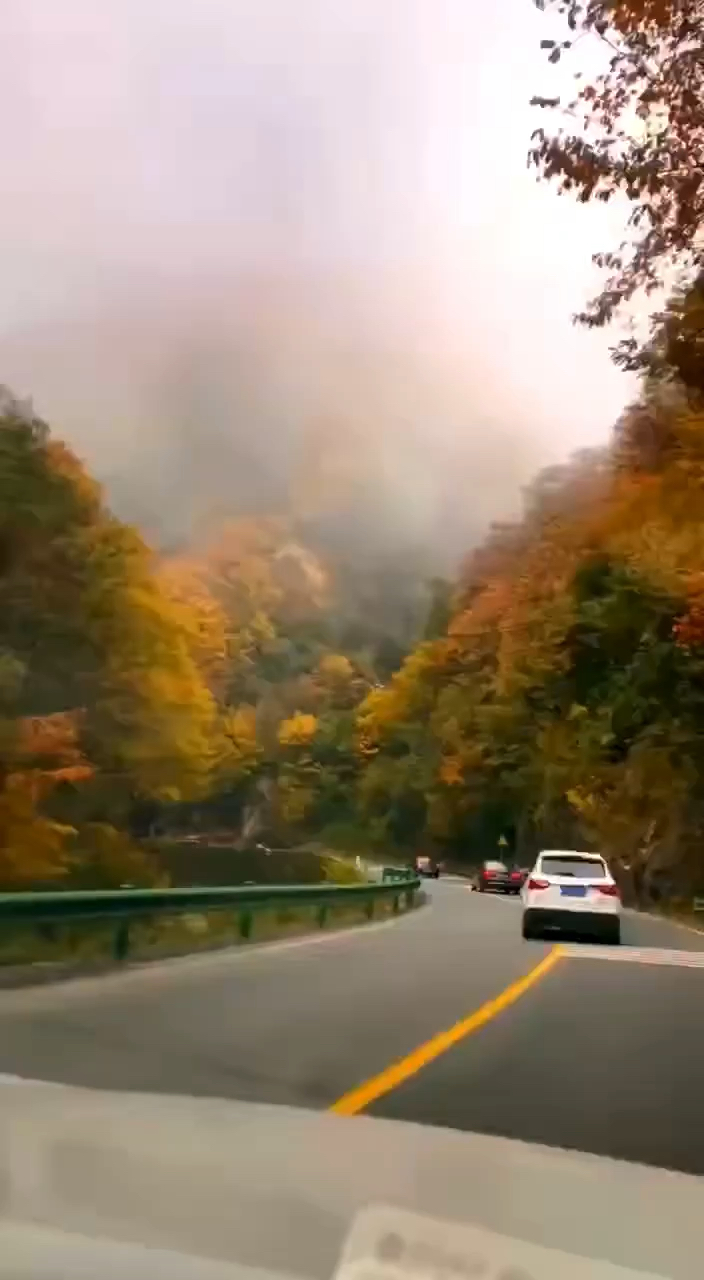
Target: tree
(674, 353)
(203, 618)
(634, 129)
(564, 704)
(39, 755)
(89, 641)
(153, 723)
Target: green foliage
(103, 704)
(104, 858)
(213, 688)
(340, 871)
(564, 703)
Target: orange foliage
(689, 630)
(32, 847)
(51, 736)
(63, 462)
(451, 771)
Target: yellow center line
(392, 1076)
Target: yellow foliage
(383, 709)
(169, 729)
(242, 751)
(32, 848)
(335, 669)
(156, 710)
(298, 730)
(200, 615)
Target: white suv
(571, 891)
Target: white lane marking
(636, 955)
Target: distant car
(494, 877)
(517, 878)
(427, 867)
(571, 891)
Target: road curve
(601, 1053)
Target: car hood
(278, 1189)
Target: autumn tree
(564, 704)
(634, 129)
(202, 616)
(88, 633)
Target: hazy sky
(234, 235)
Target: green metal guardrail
(48, 911)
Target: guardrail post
(59, 913)
(122, 941)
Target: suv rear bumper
(594, 923)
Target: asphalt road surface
(444, 1017)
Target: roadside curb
(653, 915)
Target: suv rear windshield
(494, 866)
(566, 865)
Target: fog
(287, 257)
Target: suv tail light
(611, 890)
(533, 883)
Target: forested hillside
(252, 686)
(213, 689)
(556, 695)
(287, 676)
(565, 703)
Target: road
(598, 1050)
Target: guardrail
(48, 911)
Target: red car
(495, 877)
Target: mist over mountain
(270, 260)
(297, 396)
